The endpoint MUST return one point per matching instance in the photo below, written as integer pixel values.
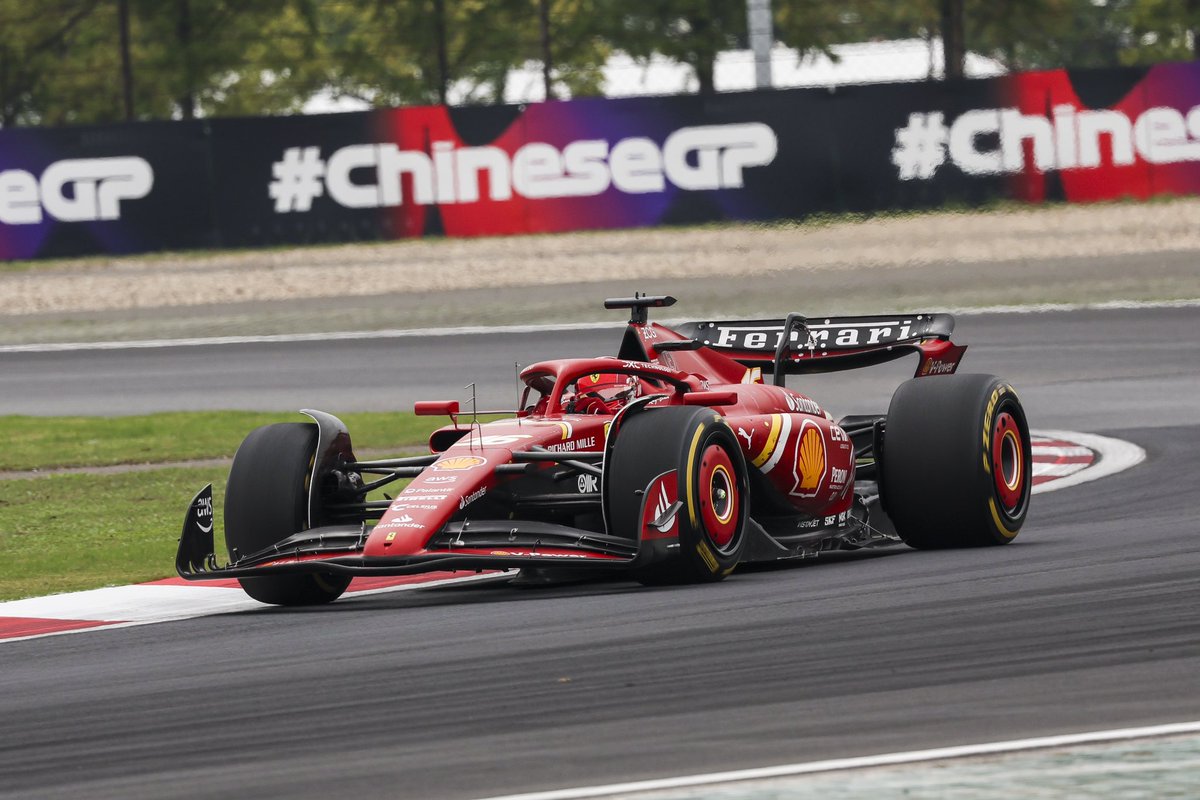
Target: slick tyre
(266, 500)
(957, 468)
(712, 489)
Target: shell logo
(810, 461)
(459, 463)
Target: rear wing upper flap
(835, 343)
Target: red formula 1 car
(671, 462)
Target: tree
(205, 57)
(692, 32)
(1156, 30)
(397, 52)
(394, 52)
(579, 46)
(62, 64)
(1039, 34)
(34, 44)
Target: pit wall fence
(1075, 136)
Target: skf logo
(75, 190)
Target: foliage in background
(691, 32)
(61, 60)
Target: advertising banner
(1064, 135)
(109, 189)
(596, 163)
(502, 170)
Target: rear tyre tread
(956, 464)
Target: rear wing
(828, 344)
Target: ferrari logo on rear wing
(829, 333)
(823, 344)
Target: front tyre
(957, 468)
(266, 501)
(711, 487)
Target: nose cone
(437, 494)
(466, 472)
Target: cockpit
(592, 393)
(600, 393)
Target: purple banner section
(112, 189)
(595, 163)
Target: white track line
(1108, 305)
(886, 759)
(148, 604)
(1114, 455)
(335, 336)
(474, 330)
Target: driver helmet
(603, 392)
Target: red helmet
(602, 393)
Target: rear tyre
(266, 500)
(712, 488)
(957, 468)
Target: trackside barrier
(597, 163)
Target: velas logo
(74, 190)
(458, 463)
(697, 158)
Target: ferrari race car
(671, 462)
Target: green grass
(62, 533)
(47, 442)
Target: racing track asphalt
(1082, 370)
(1087, 622)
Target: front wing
(474, 546)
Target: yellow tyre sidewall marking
(691, 461)
(708, 557)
